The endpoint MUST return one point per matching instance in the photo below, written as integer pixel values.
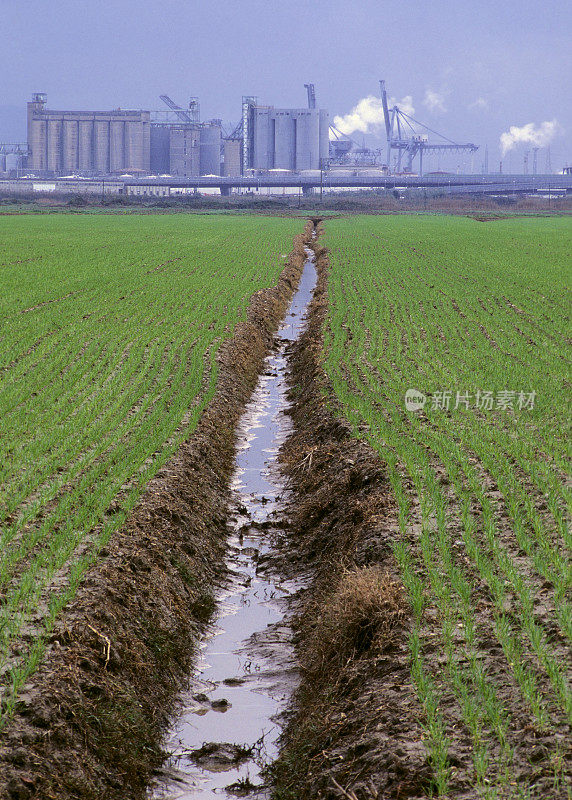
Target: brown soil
(89, 723)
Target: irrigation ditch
(226, 731)
(289, 534)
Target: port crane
(406, 139)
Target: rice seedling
(475, 319)
(111, 327)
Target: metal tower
(535, 160)
(403, 137)
(248, 101)
(311, 94)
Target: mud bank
(354, 728)
(90, 721)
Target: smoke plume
(367, 115)
(539, 136)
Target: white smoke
(367, 115)
(434, 101)
(540, 136)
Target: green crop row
(474, 317)
(110, 327)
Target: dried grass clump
(365, 610)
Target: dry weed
(365, 609)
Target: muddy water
(228, 727)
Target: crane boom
(385, 108)
(183, 116)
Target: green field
(110, 327)
(474, 315)
(110, 330)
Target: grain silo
(262, 131)
(232, 166)
(307, 139)
(89, 141)
(69, 145)
(286, 138)
(210, 142)
(85, 146)
(285, 134)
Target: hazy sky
(480, 66)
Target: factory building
(286, 138)
(92, 142)
(186, 149)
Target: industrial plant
(172, 151)
(173, 142)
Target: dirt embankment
(354, 730)
(89, 724)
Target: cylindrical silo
(2, 162)
(210, 150)
(101, 146)
(70, 145)
(324, 136)
(54, 145)
(160, 149)
(262, 139)
(146, 134)
(116, 146)
(284, 140)
(85, 146)
(134, 145)
(232, 157)
(308, 139)
(38, 143)
(193, 157)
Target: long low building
(547, 185)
